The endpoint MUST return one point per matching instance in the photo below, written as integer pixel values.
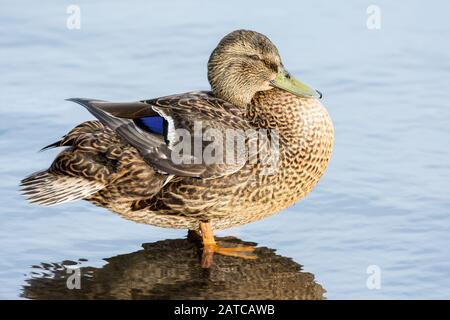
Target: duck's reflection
(170, 269)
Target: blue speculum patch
(153, 124)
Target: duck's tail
(49, 189)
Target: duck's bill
(288, 83)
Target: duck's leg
(210, 247)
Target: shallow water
(383, 201)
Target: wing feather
(183, 111)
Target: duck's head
(246, 62)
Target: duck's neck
(241, 101)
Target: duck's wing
(156, 127)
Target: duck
(256, 143)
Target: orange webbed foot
(210, 247)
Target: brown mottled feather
(96, 155)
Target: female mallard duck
(125, 161)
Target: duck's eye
(255, 57)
